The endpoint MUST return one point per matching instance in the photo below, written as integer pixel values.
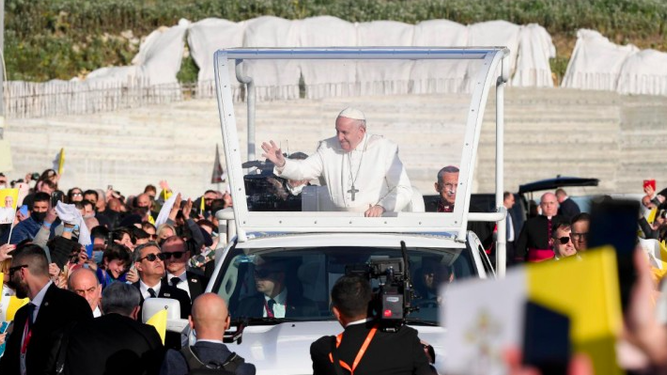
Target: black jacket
(389, 353)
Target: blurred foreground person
(115, 343)
(210, 319)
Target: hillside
(60, 39)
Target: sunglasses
(175, 254)
(264, 273)
(153, 237)
(153, 257)
(564, 240)
(77, 194)
(13, 270)
(578, 236)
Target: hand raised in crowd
(642, 327)
(132, 275)
(5, 250)
(374, 211)
(51, 215)
(54, 271)
(187, 208)
(175, 207)
(164, 185)
(273, 153)
(2, 337)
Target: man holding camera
(363, 348)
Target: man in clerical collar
(448, 179)
(362, 172)
(535, 243)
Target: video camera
(391, 301)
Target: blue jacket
(27, 229)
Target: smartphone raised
(614, 222)
(650, 183)
(56, 196)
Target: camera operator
(363, 348)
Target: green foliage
(47, 39)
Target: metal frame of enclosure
(494, 72)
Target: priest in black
(535, 243)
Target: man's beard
(20, 289)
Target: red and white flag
(218, 174)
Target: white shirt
(143, 288)
(183, 284)
(279, 307)
(37, 301)
(373, 167)
(97, 312)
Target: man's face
(349, 133)
(85, 284)
(90, 198)
(144, 201)
(564, 249)
(150, 268)
(447, 187)
(509, 202)
(646, 201)
(40, 206)
(176, 257)
(579, 235)
(269, 280)
(166, 233)
(9, 201)
(88, 211)
(549, 205)
(209, 198)
(18, 280)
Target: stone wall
(617, 139)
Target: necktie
(151, 291)
(31, 313)
(175, 281)
(271, 304)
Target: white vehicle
(318, 244)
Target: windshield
(296, 284)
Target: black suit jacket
(58, 311)
(298, 306)
(196, 282)
(568, 209)
(168, 291)
(175, 363)
(389, 353)
(113, 344)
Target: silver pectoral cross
(353, 191)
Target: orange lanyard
(361, 352)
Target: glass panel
(300, 280)
(409, 122)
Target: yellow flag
(14, 305)
(159, 321)
(586, 290)
(61, 161)
(202, 206)
(2, 281)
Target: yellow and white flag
(159, 321)
(483, 318)
(9, 305)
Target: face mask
(38, 216)
(3, 186)
(88, 216)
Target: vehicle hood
(285, 348)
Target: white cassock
(373, 169)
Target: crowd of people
(86, 296)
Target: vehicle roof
(262, 240)
(554, 183)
